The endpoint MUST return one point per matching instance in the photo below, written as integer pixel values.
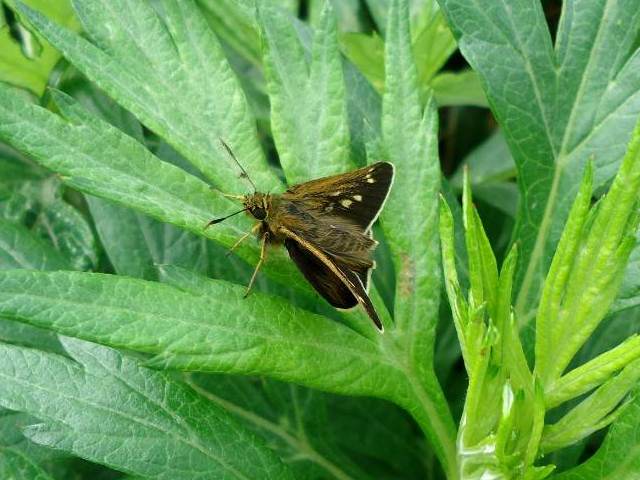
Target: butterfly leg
(253, 230)
(263, 251)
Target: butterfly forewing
(357, 196)
(327, 225)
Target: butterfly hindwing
(326, 283)
(357, 196)
(339, 285)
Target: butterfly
(325, 225)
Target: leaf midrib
(329, 348)
(560, 161)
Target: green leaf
(433, 42)
(588, 376)
(410, 142)
(21, 248)
(459, 306)
(54, 463)
(105, 407)
(595, 412)
(453, 89)
(367, 53)
(557, 106)
(234, 23)
(617, 456)
(483, 268)
(69, 232)
(15, 170)
(136, 244)
(547, 341)
(308, 108)
(212, 328)
(293, 420)
(27, 64)
(99, 159)
(217, 331)
(490, 162)
(15, 465)
(587, 270)
(133, 60)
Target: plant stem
(436, 422)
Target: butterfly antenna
(218, 220)
(244, 172)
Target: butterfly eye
(259, 213)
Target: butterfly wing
(357, 196)
(341, 286)
(321, 277)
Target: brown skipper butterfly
(325, 225)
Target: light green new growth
(503, 430)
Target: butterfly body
(325, 225)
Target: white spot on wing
(346, 203)
(370, 180)
(337, 193)
(357, 198)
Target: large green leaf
(99, 159)
(557, 106)
(107, 408)
(308, 108)
(135, 243)
(410, 142)
(306, 434)
(170, 71)
(214, 329)
(21, 248)
(219, 331)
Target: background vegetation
(126, 348)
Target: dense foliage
(126, 347)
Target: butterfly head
(257, 204)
